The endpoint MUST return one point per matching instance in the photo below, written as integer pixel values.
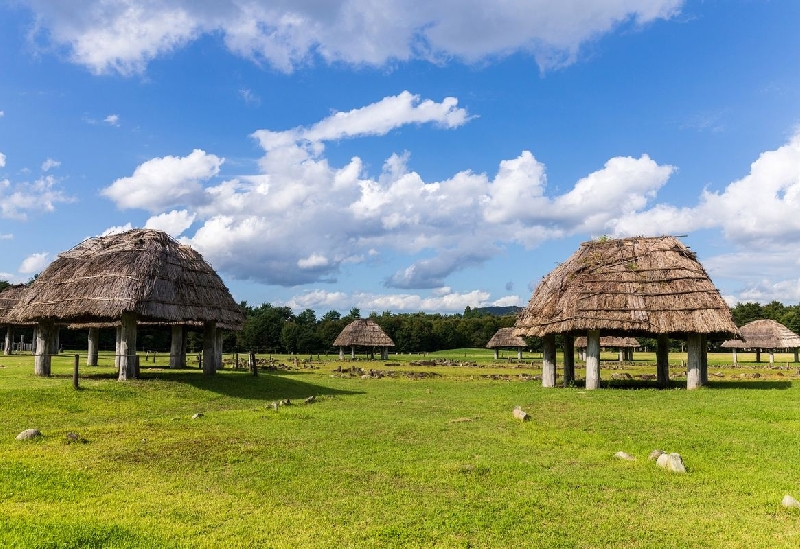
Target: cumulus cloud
(34, 263)
(112, 119)
(2, 160)
(165, 182)
(117, 229)
(124, 36)
(41, 195)
(173, 222)
(49, 164)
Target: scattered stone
(274, 406)
(718, 374)
(197, 415)
(285, 402)
(621, 376)
(756, 375)
(460, 420)
(520, 414)
(29, 434)
(310, 399)
(671, 462)
(655, 454)
(74, 438)
(789, 501)
(624, 455)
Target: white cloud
(117, 229)
(41, 195)
(35, 263)
(2, 160)
(173, 222)
(249, 97)
(313, 261)
(49, 164)
(6, 236)
(450, 302)
(112, 119)
(124, 36)
(165, 182)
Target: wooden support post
(593, 359)
(209, 351)
(9, 348)
(75, 373)
(569, 360)
(218, 351)
(252, 363)
(93, 340)
(127, 347)
(621, 354)
(736, 359)
(758, 355)
(796, 357)
(549, 360)
(662, 361)
(341, 353)
(352, 351)
(177, 356)
(116, 348)
(771, 357)
(693, 363)
(44, 339)
(496, 353)
(703, 359)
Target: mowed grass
(393, 461)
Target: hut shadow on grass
(638, 384)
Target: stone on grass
(654, 455)
(789, 501)
(671, 462)
(29, 434)
(624, 455)
(520, 414)
(310, 399)
(198, 415)
(74, 438)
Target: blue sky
(404, 155)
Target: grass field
(403, 460)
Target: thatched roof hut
(141, 275)
(363, 332)
(141, 271)
(8, 299)
(505, 338)
(628, 286)
(764, 334)
(650, 286)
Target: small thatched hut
(504, 338)
(8, 299)
(141, 275)
(363, 333)
(764, 335)
(625, 345)
(650, 286)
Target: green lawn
(396, 461)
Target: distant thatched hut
(625, 345)
(650, 286)
(363, 333)
(140, 275)
(8, 299)
(764, 335)
(504, 338)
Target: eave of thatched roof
(141, 271)
(628, 286)
(609, 341)
(8, 299)
(364, 332)
(764, 334)
(504, 337)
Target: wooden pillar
(694, 361)
(735, 358)
(116, 347)
(593, 359)
(771, 357)
(218, 350)
(9, 348)
(549, 360)
(352, 351)
(341, 353)
(662, 361)
(384, 353)
(704, 359)
(621, 354)
(44, 338)
(758, 355)
(519, 353)
(569, 360)
(177, 356)
(796, 358)
(94, 338)
(127, 347)
(209, 351)
(496, 353)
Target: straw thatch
(629, 286)
(609, 341)
(8, 299)
(363, 332)
(140, 271)
(764, 334)
(504, 337)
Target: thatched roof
(8, 299)
(609, 341)
(364, 332)
(629, 286)
(764, 334)
(142, 271)
(504, 337)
